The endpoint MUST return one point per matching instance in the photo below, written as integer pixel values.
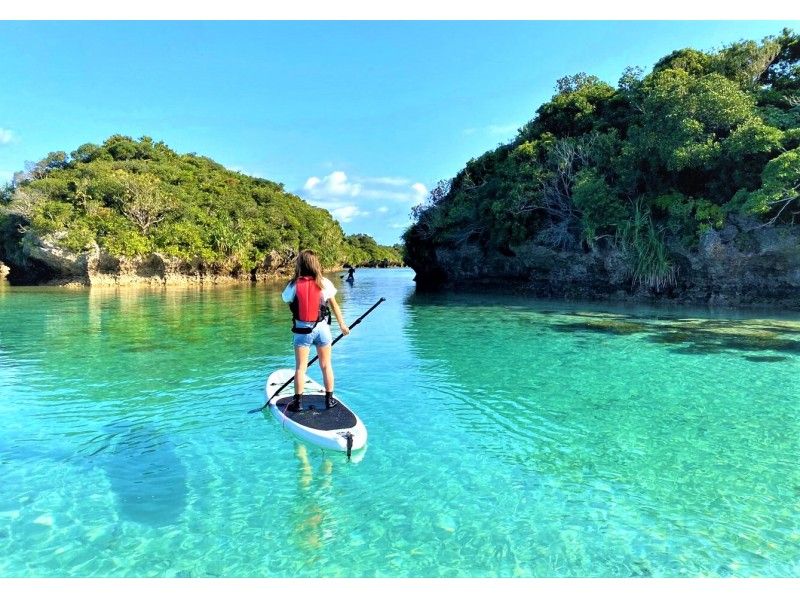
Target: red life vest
(308, 304)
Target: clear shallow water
(507, 438)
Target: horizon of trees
(135, 197)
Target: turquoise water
(507, 437)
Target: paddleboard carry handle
(336, 340)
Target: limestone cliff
(41, 260)
(738, 265)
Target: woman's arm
(288, 293)
(338, 313)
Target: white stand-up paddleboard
(336, 429)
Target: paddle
(336, 340)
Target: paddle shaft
(336, 340)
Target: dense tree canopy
(647, 166)
(364, 250)
(133, 197)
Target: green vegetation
(362, 250)
(646, 168)
(134, 197)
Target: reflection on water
(313, 524)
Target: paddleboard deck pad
(315, 415)
(337, 428)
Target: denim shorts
(320, 336)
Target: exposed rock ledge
(731, 267)
(43, 261)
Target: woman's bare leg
(325, 365)
(300, 365)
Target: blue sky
(361, 118)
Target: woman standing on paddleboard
(311, 298)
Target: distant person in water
(351, 274)
(311, 298)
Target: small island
(680, 185)
(135, 212)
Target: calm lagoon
(507, 437)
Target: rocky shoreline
(731, 267)
(41, 261)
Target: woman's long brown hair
(308, 265)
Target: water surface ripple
(508, 437)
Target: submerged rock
(766, 358)
(603, 326)
(147, 476)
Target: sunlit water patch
(508, 437)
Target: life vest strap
(324, 314)
(297, 330)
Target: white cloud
(347, 213)
(335, 184)
(348, 197)
(6, 136)
(420, 189)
